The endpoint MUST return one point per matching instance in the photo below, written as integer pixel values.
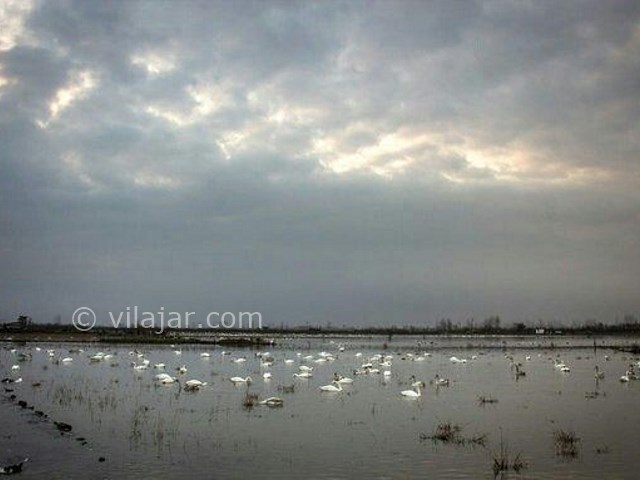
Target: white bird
(159, 366)
(205, 355)
(416, 383)
(412, 393)
(345, 380)
(565, 369)
(272, 402)
(387, 373)
(240, 380)
(240, 360)
(194, 384)
(15, 368)
(182, 369)
(624, 378)
(288, 362)
(266, 375)
(559, 365)
(331, 388)
(304, 368)
(166, 379)
(441, 382)
(303, 375)
(67, 360)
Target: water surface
(147, 430)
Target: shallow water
(146, 430)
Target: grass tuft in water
(448, 432)
(485, 399)
(504, 461)
(566, 442)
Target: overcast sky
(361, 163)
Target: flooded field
(511, 404)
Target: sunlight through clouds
(78, 88)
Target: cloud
(355, 162)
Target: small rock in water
(63, 427)
(11, 469)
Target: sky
(359, 163)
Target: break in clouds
(359, 163)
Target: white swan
(67, 360)
(345, 380)
(303, 375)
(331, 388)
(266, 375)
(272, 402)
(441, 382)
(417, 383)
(241, 380)
(193, 385)
(165, 378)
(205, 355)
(559, 365)
(411, 393)
(182, 369)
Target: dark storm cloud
(374, 162)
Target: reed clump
(567, 443)
(448, 432)
(486, 399)
(504, 460)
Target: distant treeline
(490, 326)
